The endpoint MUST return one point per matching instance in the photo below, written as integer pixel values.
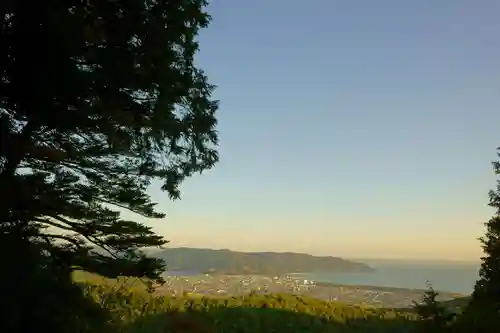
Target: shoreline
(295, 276)
(262, 282)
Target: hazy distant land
(258, 263)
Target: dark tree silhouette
(487, 289)
(434, 317)
(97, 99)
(483, 311)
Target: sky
(347, 128)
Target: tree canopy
(482, 311)
(487, 289)
(99, 98)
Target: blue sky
(349, 128)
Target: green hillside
(265, 263)
(133, 310)
(137, 312)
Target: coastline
(450, 279)
(233, 285)
(296, 276)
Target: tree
(434, 317)
(98, 98)
(485, 301)
(487, 288)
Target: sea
(453, 277)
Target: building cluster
(228, 285)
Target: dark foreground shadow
(266, 320)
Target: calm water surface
(450, 277)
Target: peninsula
(259, 263)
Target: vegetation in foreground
(97, 99)
(125, 104)
(130, 307)
(484, 308)
(136, 311)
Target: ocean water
(444, 276)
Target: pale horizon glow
(351, 129)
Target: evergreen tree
(487, 288)
(97, 99)
(434, 317)
(484, 307)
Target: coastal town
(228, 285)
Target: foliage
(483, 311)
(263, 263)
(487, 289)
(435, 317)
(137, 312)
(97, 100)
(48, 300)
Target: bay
(444, 276)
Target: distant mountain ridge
(264, 263)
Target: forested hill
(267, 263)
